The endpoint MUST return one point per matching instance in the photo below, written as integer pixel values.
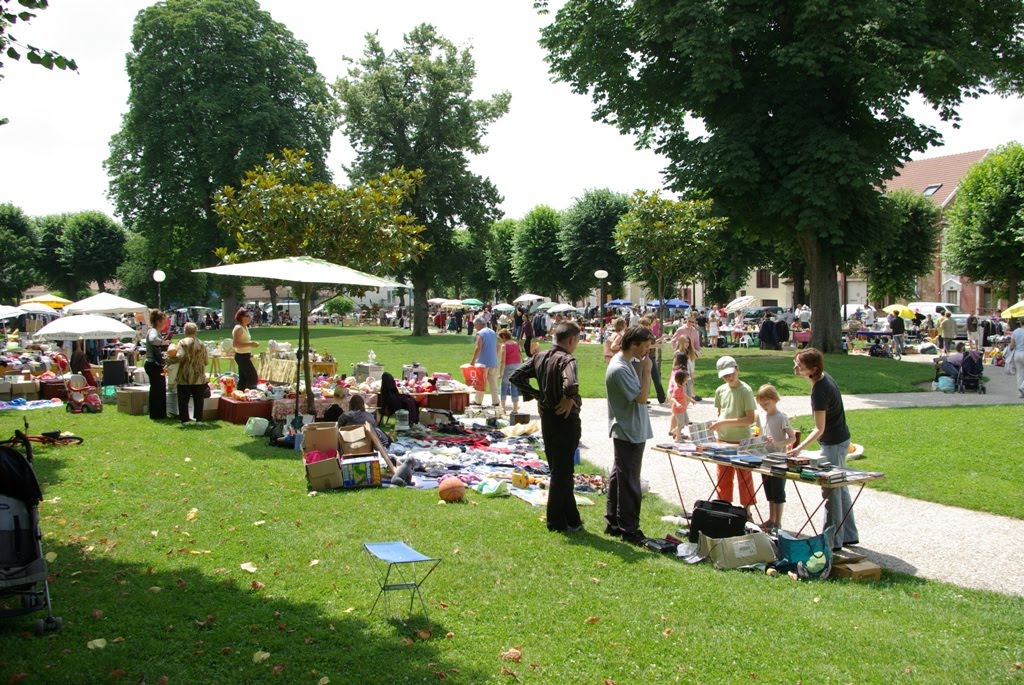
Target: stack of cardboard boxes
(357, 463)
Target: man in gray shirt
(629, 425)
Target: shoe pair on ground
(635, 537)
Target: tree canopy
(17, 268)
(215, 85)
(803, 104)
(500, 249)
(985, 239)
(536, 263)
(905, 251)
(413, 108)
(79, 248)
(586, 241)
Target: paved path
(912, 536)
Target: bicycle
(54, 437)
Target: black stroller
(23, 570)
(969, 376)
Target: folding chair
(396, 567)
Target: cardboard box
(355, 440)
(5, 391)
(320, 437)
(324, 475)
(134, 401)
(360, 472)
(859, 570)
(210, 405)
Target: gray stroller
(23, 571)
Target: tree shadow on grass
(198, 626)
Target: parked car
(757, 313)
(939, 309)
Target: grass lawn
(856, 374)
(927, 454)
(151, 522)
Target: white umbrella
(437, 300)
(503, 307)
(561, 309)
(739, 303)
(304, 270)
(527, 297)
(105, 303)
(37, 308)
(84, 326)
(9, 312)
(452, 304)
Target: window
(986, 299)
(770, 303)
(932, 189)
(764, 278)
(953, 296)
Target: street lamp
(159, 276)
(600, 275)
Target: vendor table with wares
(240, 411)
(850, 477)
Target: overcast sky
(546, 150)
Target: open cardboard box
(356, 441)
(322, 437)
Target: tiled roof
(947, 171)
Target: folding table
(397, 567)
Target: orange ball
(451, 490)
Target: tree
(985, 238)
(472, 276)
(93, 247)
(17, 268)
(536, 263)
(500, 250)
(665, 242)
(9, 45)
(215, 85)
(586, 241)
(282, 210)
(51, 268)
(413, 108)
(803, 103)
(905, 251)
(339, 305)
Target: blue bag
(807, 557)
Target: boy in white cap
(736, 405)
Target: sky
(546, 150)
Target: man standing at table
(486, 353)
(629, 426)
(558, 403)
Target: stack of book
(831, 476)
(797, 463)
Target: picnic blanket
(21, 404)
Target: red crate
(455, 402)
(52, 387)
(240, 411)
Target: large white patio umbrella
(527, 297)
(105, 303)
(305, 271)
(85, 327)
(37, 308)
(9, 312)
(739, 303)
(561, 309)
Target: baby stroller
(82, 396)
(969, 377)
(23, 569)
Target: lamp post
(600, 275)
(159, 276)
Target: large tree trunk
(826, 330)
(1012, 293)
(305, 295)
(799, 277)
(272, 289)
(419, 305)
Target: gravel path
(898, 533)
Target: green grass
(856, 374)
(960, 456)
(582, 608)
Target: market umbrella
(49, 300)
(1014, 311)
(676, 303)
(306, 271)
(472, 302)
(451, 304)
(437, 300)
(561, 309)
(503, 307)
(739, 303)
(544, 306)
(105, 303)
(36, 308)
(620, 303)
(9, 312)
(527, 297)
(900, 310)
(85, 326)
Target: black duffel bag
(717, 519)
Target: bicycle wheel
(68, 440)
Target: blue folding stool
(396, 567)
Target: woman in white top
(244, 345)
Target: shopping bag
(475, 376)
(807, 557)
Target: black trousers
(527, 342)
(623, 508)
(561, 438)
(157, 390)
(195, 393)
(659, 389)
(247, 377)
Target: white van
(939, 309)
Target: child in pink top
(680, 403)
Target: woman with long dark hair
(393, 400)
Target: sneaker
(613, 531)
(698, 398)
(635, 538)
